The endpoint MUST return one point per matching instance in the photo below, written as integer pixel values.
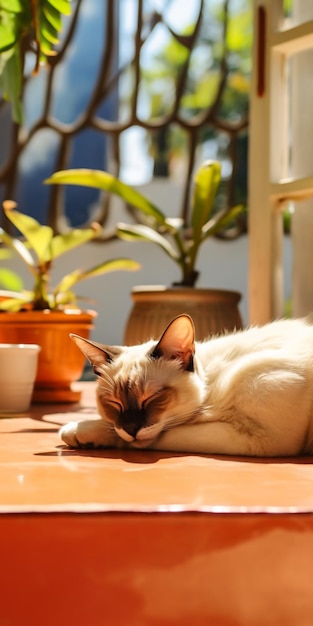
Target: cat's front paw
(88, 434)
(68, 434)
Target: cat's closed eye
(115, 404)
(146, 401)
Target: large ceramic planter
(60, 363)
(212, 310)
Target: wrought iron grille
(184, 85)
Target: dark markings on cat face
(136, 390)
(131, 411)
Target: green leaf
(17, 303)
(74, 238)
(8, 33)
(38, 236)
(14, 19)
(48, 36)
(14, 6)
(10, 280)
(48, 33)
(64, 6)
(11, 82)
(206, 181)
(53, 16)
(221, 220)
(135, 232)
(19, 247)
(107, 182)
(67, 282)
(46, 49)
(112, 265)
(108, 266)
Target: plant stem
(41, 301)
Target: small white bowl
(18, 368)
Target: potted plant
(46, 315)
(180, 239)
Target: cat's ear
(96, 353)
(178, 341)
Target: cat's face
(147, 388)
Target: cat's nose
(132, 429)
(132, 421)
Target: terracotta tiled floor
(145, 538)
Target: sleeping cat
(246, 393)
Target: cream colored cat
(246, 393)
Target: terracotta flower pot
(212, 310)
(60, 363)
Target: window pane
(301, 107)
(297, 11)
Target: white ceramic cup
(18, 368)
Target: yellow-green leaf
(133, 232)
(108, 182)
(221, 220)
(10, 280)
(206, 181)
(64, 6)
(108, 266)
(74, 238)
(53, 16)
(38, 236)
(18, 246)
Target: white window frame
(269, 187)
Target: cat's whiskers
(106, 384)
(110, 426)
(176, 420)
(148, 433)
